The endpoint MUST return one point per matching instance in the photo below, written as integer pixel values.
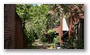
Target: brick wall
(19, 43)
(9, 26)
(13, 36)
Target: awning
(65, 26)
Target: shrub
(51, 35)
(56, 39)
(29, 39)
(44, 39)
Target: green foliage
(56, 39)
(70, 42)
(35, 16)
(79, 44)
(51, 33)
(37, 20)
(44, 39)
(23, 11)
(73, 43)
(29, 39)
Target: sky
(36, 4)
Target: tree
(34, 18)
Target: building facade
(13, 36)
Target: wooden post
(61, 26)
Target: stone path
(39, 44)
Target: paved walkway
(39, 44)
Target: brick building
(74, 30)
(13, 36)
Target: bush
(51, 33)
(29, 39)
(56, 40)
(44, 39)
